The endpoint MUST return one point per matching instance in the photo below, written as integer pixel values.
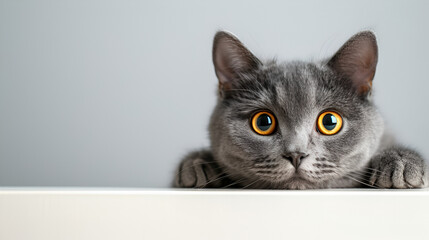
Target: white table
(86, 213)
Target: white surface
(212, 214)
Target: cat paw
(398, 168)
(197, 170)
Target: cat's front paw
(197, 170)
(398, 167)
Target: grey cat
(299, 125)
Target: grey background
(113, 93)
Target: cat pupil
(264, 122)
(329, 121)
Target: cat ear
(356, 61)
(230, 58)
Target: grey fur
(361, 154)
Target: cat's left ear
(231, 58)
(356, 61)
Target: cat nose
(295, 157)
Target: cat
(299, 125)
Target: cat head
(295, 124)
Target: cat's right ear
(230, 59)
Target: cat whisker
(369, 172)
(216, 179)
(235, 182)
(358, 176)
(363, 174)
(373, 169)
(376, 172)
(377, 175)
(361, 182)
(248, 185)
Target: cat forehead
(292, 89)
(295, 84)
(294, 75)
(298, 88)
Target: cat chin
(293, 183)
(289, 179)
(297, 183)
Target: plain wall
(114, 93)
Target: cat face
(294, 125)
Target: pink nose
(295, 158)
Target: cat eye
(264, 123)
(329, 123)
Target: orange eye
(329, 123)
(264, 123)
